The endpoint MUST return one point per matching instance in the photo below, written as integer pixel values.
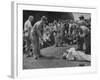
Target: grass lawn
(52, 59)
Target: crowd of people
(58, 33)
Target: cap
(81, 17)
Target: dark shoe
(41, 56)
(64, 57)
(28, 56)
(35, 57)
(81, 64)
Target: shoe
(41, 56)
(35, 57)
(28, 56)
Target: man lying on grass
(72, 54)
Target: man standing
(83, 32)
(57, 37)
(27, 30)
(36, 34)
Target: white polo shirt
(27, 25)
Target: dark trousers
(88, 44)
(80, 43)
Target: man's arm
(31, 33)
(39, 33)
(29, 27)
(69, 29)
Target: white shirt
(85, 30)
(78, 55)
(54, 27)
(27, 25)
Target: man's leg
(38, 48)
(80, 43)
(34, 44)
(56, 40)
(88, 45)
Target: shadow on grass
(48, 57)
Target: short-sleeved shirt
(27, 25)
(55, 27)
(58, 27)
(82, 23)
(37, 26)
(84, 29)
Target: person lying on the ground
(72, 54)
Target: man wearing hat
(81, 21)
(36, 34)
(83, 32)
